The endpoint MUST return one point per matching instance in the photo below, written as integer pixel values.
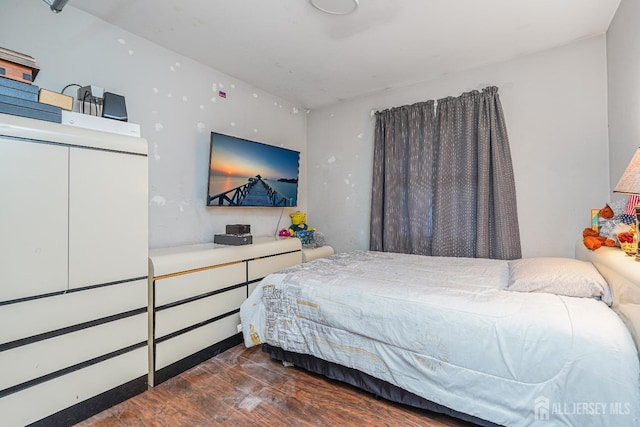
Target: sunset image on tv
(248, 173)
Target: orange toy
(593, 240)
(592, 243)
(606, 212)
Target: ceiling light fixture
(335, 7)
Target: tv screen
(249, 173)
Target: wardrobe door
(108, 217)
(33, 218)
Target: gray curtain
(403, 160)
(443, 182)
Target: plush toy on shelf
(592, 239)
(606, 227)
(299, 228)
(298, 223)
(606, 212)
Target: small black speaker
(114, 107)
(238, 229)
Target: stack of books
(18, 94)
(18, 66)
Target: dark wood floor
(244, 387)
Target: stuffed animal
(309, 237)
(606, 212)
(298, 223)
(284, 233)
(592, 239)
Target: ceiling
(305, 56)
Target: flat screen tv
(250, 173)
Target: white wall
(623, 67)
(176, 102)
(555, 104)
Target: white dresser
(74, 271)
(195, 293)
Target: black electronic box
(233, 239)
(238, 229)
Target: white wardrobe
(73, 270)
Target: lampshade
(630, 181)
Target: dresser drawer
(24, 363)
(184, 345)
(185, 315)
(261, 267)
(43, 315)
(37, 402)
(185, 285)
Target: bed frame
(365, 382)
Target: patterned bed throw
(446, 330)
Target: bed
(493, 342)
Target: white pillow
(559, 276)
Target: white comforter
(447, 330)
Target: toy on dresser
(609, 227)
(593, 240)
(298, 223)
(299, 228)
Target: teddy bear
(606, 212)
(298, 223)
(592, 239)
(299, 228)
(605, 234)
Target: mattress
(447, 330)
